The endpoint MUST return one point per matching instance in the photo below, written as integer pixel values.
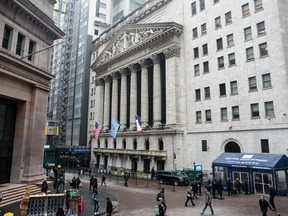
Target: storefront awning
(252, 161)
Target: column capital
(114, 75)
(99, 82)
(155, 59)
(172, 52)
(107, 78)
(132, 68)
(123, 72)
(142, 63)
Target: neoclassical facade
(203, 80)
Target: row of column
(103, 105)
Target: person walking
(44, 186)
(152, 173)
(159, 209)
(109, 207)
(208, 202)
(95, 184)
(272, 194)
(73, 182)
(91, 182)
(237, 185)
(126, 178)
(96, 199)
(229, 185)
(161, 195)
(78, 181)
(189, 196)
(103, 180)
(264, 205)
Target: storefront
(258, 170)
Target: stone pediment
(131, 38)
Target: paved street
(139, 200)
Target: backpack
(156, 210)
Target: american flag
(97, 130)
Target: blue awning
(252, 161)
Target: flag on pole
(138, 124)
(97, 129)
(114, 128)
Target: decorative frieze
(172, 52)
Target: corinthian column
(156, 90)
(133, 96)
(144, 91)
(99, 98)
(106, 102)
(123, 99)
(114, 100)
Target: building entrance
(8, 111)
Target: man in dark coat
(264, 206)
(272, 194)
(126, 178)
(229, 185)
(95, 184)
(44, 186)
(109, 207)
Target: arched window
(134, 144)
(124, 143)
(232, 147)
(106, 143)
(98, 142)
(114, 143)
(147, 144)
(161, 144)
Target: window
(203, 29)
(263, 49)
(264, 146)
(195, 33)
(205, 67)
(233, 88)
(31, 50)
(266, 80)
(245, 10)
(258, 5)
(134, 144)
(198, 94)
(249, 54)
(232, 60)
(219, 43)
(198, 117)
(252, 84)
(261, 28)
(224, 116)
(103, 5)
(220, 62)
(205, 49)
(228, 18)
(207, 92)
(114, 143)
(218, 22)
(196, 70)
(269, 109)
(196, 53)
(204, 145)
(6, 42)
(95, 32)
(247, 34)
(222, 88)
(216, 1)
(208, 115)
(202, 5)
(230, 40)
(254, 110)
(235, 113)
(124, 143)
(20, 44)
(193, 8)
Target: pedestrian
(189, 196)
(109, 207)
(214, 187)
(126, 178)
(229, 185)
(246, 187)
(219, 188)
(237, 185)
(44, 186)
(152, 173)
(159, 209)
(95, 184)
(264, 205)
(91, 182)
(96, 199)
(161, 195)
(272, 194)
(208, 202)
(60, 212)
(73, 183)
(103, 180)
(78, 181)
(194, 188)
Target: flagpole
(145, 122)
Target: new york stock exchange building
(155, 65)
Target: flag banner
(138, 124)
(114, 128)
(97, 130)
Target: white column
(99, 98)
(172, 67)
(106, 102)
(133, 96)
(123, 99)
(144, 91)
(114, 101)
(156, 90)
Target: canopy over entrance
(252, 161)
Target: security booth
(258, 170)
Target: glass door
(261, 181)
(242, 176)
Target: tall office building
(207, 78)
